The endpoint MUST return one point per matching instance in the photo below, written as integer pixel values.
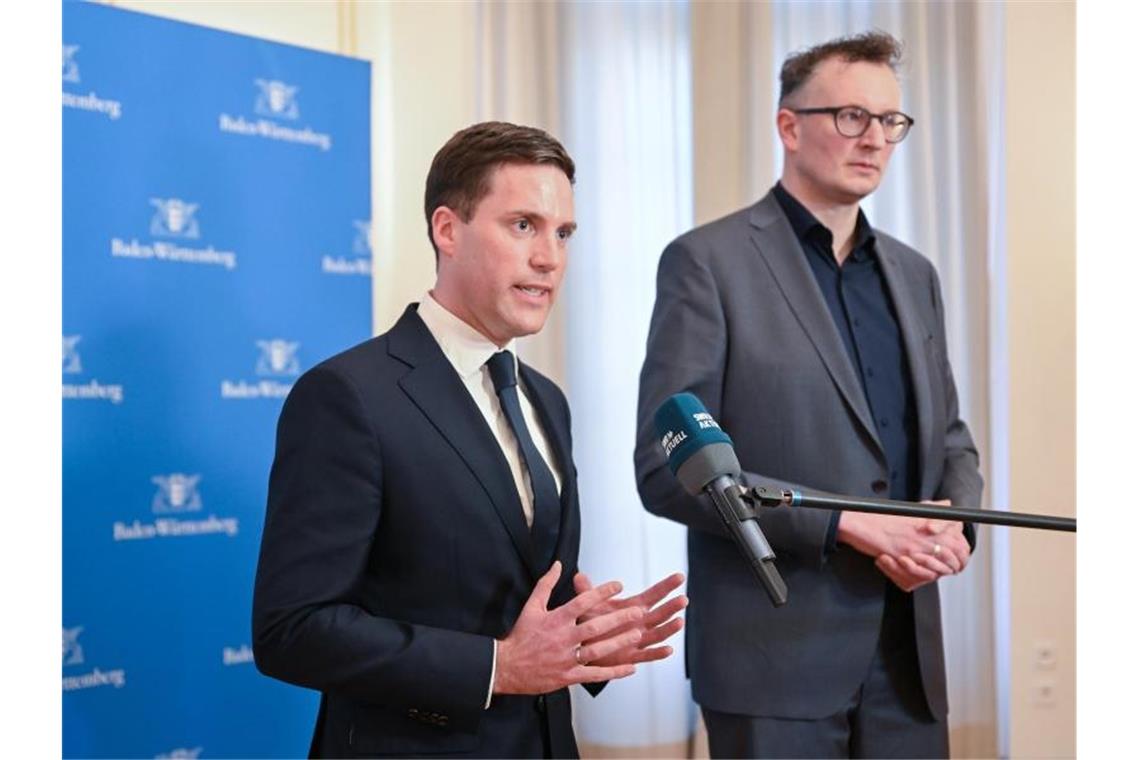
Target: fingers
(657, 634)
(903, 572)
(599, 650)
(652, 655)
(582, 583)
(889, 567)
(660, 614)
(659, 590)
(919, 571)
(608, 624)
(540, 596)
(586, 600)
(933, 527)
(943, 563)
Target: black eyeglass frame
(835, 110)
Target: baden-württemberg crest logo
(70, 66)
(174, 218)
(72, 364)
(73, 655)
(361, 263)
(275, 101)
(112, 109)
(92, 390)
(72, 649)
(277, 358)
(176, 495)
(177, 492)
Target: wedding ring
(938, 548)
(578, 655)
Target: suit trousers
(886, 717)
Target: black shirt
(860, 303)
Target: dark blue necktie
(544, 529)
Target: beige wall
(1041, 257)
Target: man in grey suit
(818, 342)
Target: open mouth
(534, 291)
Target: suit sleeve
(687, 350)
(961, 478)
(323, 510)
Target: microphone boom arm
(771, 497)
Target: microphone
(701, 456)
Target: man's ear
(445, 225)
(788, 128)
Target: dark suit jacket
(740, 322)
(395, 549)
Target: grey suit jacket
(740, 322)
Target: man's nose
(546, 252)
(875, 136)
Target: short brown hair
(460, 174)
(870, 47)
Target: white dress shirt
(468, 350)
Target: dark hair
(871, 47)
(461, 171)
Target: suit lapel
(433, 385)
(779, 248)
(915, 338)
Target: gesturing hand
(657, 625)
(546, 649)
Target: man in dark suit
(818, 343)
(419, 560)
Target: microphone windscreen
(684, 426)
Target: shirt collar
(805, 225)
(465, 347)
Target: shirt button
(855, 322)
(870, 372)
(882, 422)
(540, 703)
(879, 486)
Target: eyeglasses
(853, 121)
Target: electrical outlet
(1044, 693)
(1045, 655)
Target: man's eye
(522, 225)
(851, 115)
(565, 234)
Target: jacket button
(540, 703)
(879, 486)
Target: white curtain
(939, 196)
(627, 122)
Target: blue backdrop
(215, 245)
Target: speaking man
(419, 560)
(818, 343)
